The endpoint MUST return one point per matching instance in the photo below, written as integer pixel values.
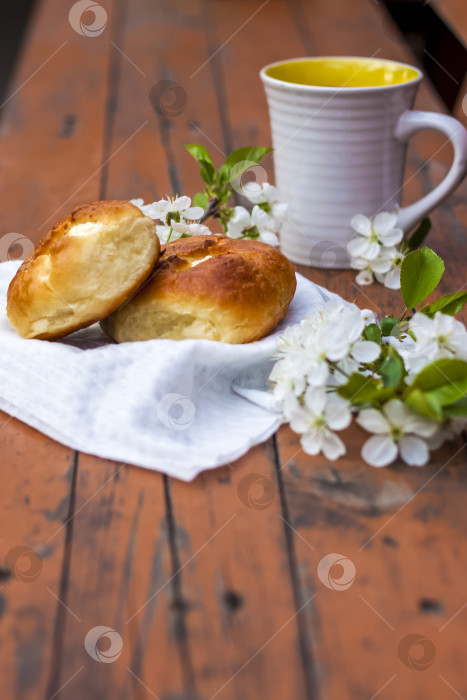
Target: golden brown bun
(82, 270)
(237, 295)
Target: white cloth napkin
(178, 407)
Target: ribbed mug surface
(335, 155)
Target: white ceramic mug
(340, 127)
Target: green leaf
(200, 200)
(202, 157)
(391, 370)
(459, 408)
(440, 372)
(421, 272)
(242, 159)
(373, 332)
(447, 394)
(387, 324)
(421, 403)
(439, 384)
(419, 235)
(199, 153)
(450, 304)
(207, 171)
(359, 389)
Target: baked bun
(210, 287)
(82, 270)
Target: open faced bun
(84, 269)
(211, 287)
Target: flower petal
(379, 451)
(337, 412)
(362, 225)
(382, 263)
(269, 237)
(259, 218)
(193, 213)
(253, 192)
(180, 227)
(299, 419)
(368, 316)
(392, 237)
(414, 451)
(360, 247)
(312, 441)
(163, 233)
(198, 230)
(315, 400)
(332, 446)
(358, 263)
(384, 222)
(392, 279)
(414, 423)
(373, 421)
(365, 351)
(279, 210)
(271, 193)
(160, 209)
(396, 412)
(181, 203)
(364, 277)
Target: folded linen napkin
(178, 407)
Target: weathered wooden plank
(52, 124)
(120, 576)
(119, 573)
(50, 142)
(35, 502)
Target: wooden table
(212, 586)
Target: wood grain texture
(213, 587)
(41, 166)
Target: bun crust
(211, 287)
(84, 269)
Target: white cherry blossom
(254, 224)
(391, 278)
(268, 196)
(317, 419)
(397, 431)
(176, 209)
(371, 234)
(385, 268)
(177, 215)
(431, 339)
(178, 229)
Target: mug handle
(409, 124)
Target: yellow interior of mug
(343, 72)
